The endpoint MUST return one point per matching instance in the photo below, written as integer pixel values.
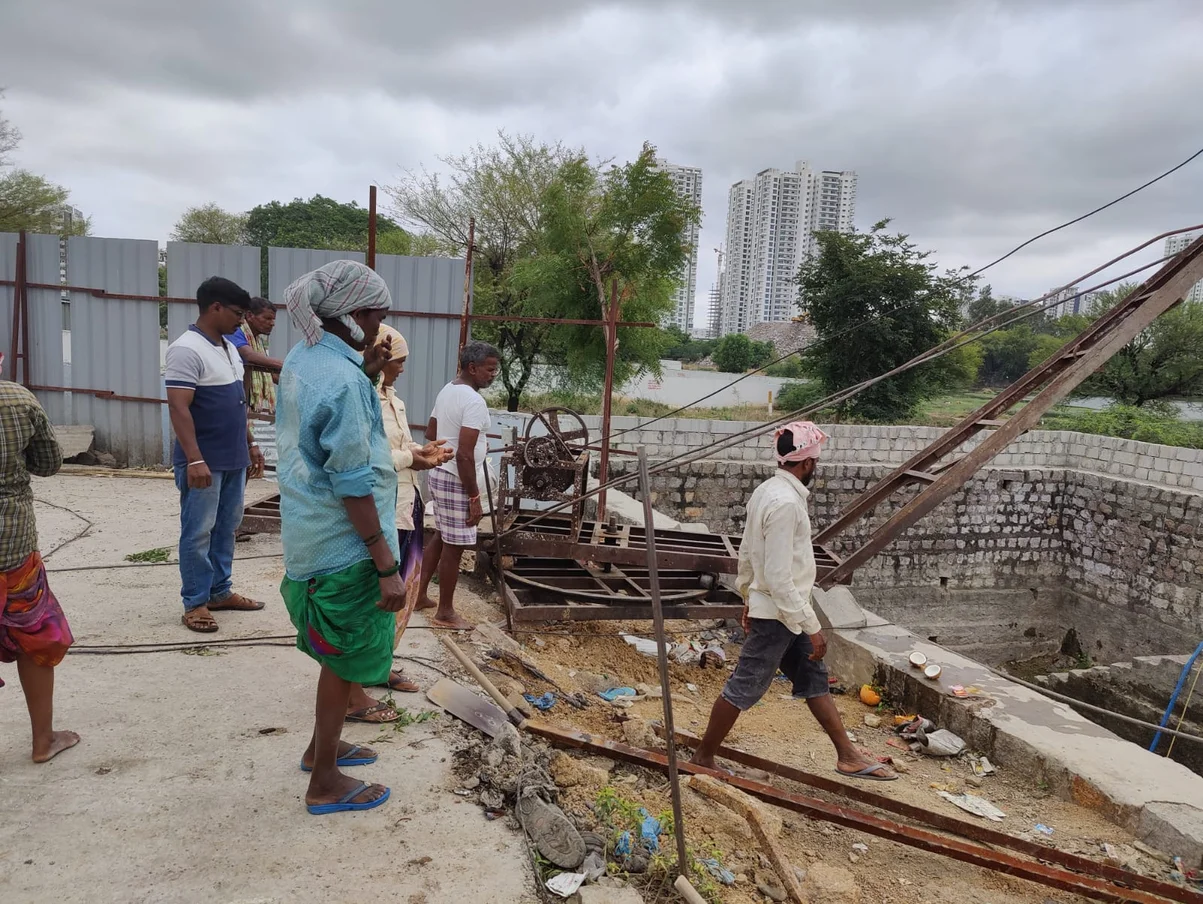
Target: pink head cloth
(807, 439)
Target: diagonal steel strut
(1051, 382)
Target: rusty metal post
(372, 226)
(463, 322)
(18, 282)
(670, 739)
(21, 311)
(603, 466)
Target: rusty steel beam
(966, 852)
(603, 465)
(371, 255)
(970, 830)
(1058, 376)
(467, 313)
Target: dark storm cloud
(974, 124)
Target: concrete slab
(186, 784)
(1155, 798)
(74, 439)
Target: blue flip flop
(868, 773)
(346, 803)
(349, 759)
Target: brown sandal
(201, 622)
(400, 683)
(377, 709)
(236, 602)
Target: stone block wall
(1009, 563)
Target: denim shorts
(770, 647)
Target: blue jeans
(209, 519)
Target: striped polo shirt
(214, 372)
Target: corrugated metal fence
(112, 345)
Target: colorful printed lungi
(339, 624)
(410, 544)
(450, 508)
(31, 621)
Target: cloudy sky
(973, 124)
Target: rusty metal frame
(1051, 382)
(1089, 886)
(626, 544)
(592, 592)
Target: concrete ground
(186, 784)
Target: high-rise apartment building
(688, 182)
(771, 221)
(1173, 245)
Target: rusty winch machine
(567, 566)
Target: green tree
(985, 305)
(623, 223)
(30, 202)
(737, 354)
(1165, 361)
(680, 347)
(322, 223)
(877, 302)
(210, 225)
(502, 187)
(1006, 355)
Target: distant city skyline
(1173, 245)
(771, 221)
(687, 180)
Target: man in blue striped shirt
(214, 451)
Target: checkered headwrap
(333, 292)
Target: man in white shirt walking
(776, 576)
(461, 420)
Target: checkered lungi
(450, 508)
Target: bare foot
(454, 621)
(344, 748)
(359, 699)
(336, 790)
(706, 762)
(59, 741)
(425, 602)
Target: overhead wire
(962, 279)
(971, 334)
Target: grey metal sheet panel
(8, 270)
(191, 263)
(122, 348)
(429, 284)
(47, 360)
(284, 266)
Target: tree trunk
(512, 398)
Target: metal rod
(18, 272)
(372, 226)
(24, 292)
(653, 574)
(466, 315)
(603, 466)
(940, 821)
(851, 818)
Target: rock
(611, 882)
(494, 637)
(570, 772)
(771, 891)
(638, 733)
(592, 683)
(872, 720)
(831, 885)
(853, 858)
(973, 780)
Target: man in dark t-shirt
(214, 450)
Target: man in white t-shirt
(461, 419)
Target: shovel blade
(467, 705)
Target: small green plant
(202, 651)
(407, 718)
(1083, 660)
(158, 554)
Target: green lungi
(339, 624)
